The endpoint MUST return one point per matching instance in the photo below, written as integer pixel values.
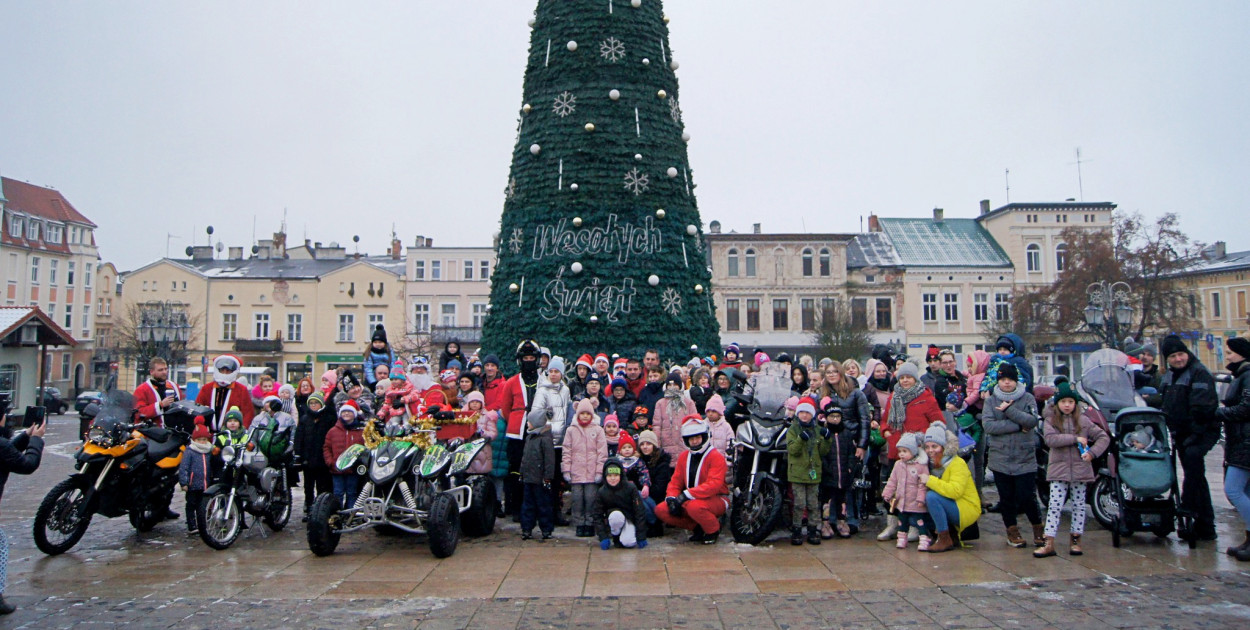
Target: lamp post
(1109, 311)
(163, 331)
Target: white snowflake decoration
(510, 191)
(612, 49)
(517, 241)
(674, 109)
(671, 301)
(565, 104)
(636, 182)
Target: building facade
(1220, 286)
(447, 295)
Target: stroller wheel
(1115, 532)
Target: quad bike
(123, 467)
(249, 484)
(410, 484)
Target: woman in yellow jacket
(952, 499)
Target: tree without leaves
(839, 336)
(130, 340)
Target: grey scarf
(898, 406)
(1009, 397)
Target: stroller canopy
(1106, 379)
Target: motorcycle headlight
(766, 435)
(227, 454)
(99, 436)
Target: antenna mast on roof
(1079, 183)
(284, 219)
(1007, 177)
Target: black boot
(710, 539)
(697, 536)
(796, 536)
(171, 515)
(1232, 551)
(655, 530)
(813, 535)
(5, 607)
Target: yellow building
(1220, 285)
(298, 312)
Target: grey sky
(158, 117)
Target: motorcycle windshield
(117, 406)
(770, 388)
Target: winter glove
(642, 544)
(605, 544)
(674, 505)
(444, 415)
(397, 404)
(568, 478)
(598, 478)
(825, 432)
(806, 434)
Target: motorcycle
(254, 482)
(123, 468)
(759, 487)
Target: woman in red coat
(910, 409)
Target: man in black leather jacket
(1190, 401)
(1236, 418)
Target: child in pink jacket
(722, 432)
(906, 490)
(584, 453)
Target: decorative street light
(164, 331)
(1109, 312)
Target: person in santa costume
(698, 494)
(156, 395)
(514, 404)
(225, 392)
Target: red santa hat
(619, 364)
(601, 357)
(585, 360)
(350, 404)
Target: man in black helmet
(514, 404)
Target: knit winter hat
(910, 442)
(1240, 345)
(235, 414)
(715, 403)
(201, 430)
(611, 420)
(761, 358)
(641, 411)
(626, 439)
(536, 419)
(733, 347)
(936, 434)
(556, 363)
(1003, 342)
(805, 406)
(315, 396)
(1065, 390)
(932, 353)
(673, 378)
(649, 437)
(448, 376)
(620, 382)
(454, 363)
(472, 396)
(956, 399)
(613, 468)
(585, 405)
(491, 359)
(792, 403)
(1008, 371)
(1132, 348)
(908, 369)
(288, 388)
(397, 372)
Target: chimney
(429, 241)
(279, 244)
(236, 253)
(938, 215)
(397, 249)
(874, 223)
(755, 228)
(1221, 250)
(201, 252)
(420, 241)
(985, 206)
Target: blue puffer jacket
(1016, 358)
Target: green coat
(804, 463)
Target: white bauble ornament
(590, 126)
(653, 280)
(577, 222)
(646, 62)
(692, 230)
(576, 267)
(674, 65)
(694, 347)
(513, 287)
(666, 19)
(572, 46)
(662, 94)
(531, 22)
(594, 319)
(526, 108)
(574, 187)
(535, 149)
(672, 171)
(635, 3)
(698, 288)
(614, 95)
(660, 214)
(685, 135)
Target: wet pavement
(163, 578)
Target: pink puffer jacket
(668, 425)
(906, 485)
(585, 452)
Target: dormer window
(32, 231)
(15, 226)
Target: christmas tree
(600, 245)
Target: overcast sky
(161, 117)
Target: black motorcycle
(759, 486)
(252, 482)
(123, 468)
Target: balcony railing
(465, 334)
(258, 345)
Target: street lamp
(163, 330)
(1109, 311)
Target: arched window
(1033, 257)
(733, 263)
(824, 262)
(807, 263)
(750, 263)
(1061, 256)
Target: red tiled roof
(41, 202)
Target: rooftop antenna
(284, 219)
(1079, 183)
(253, 229)
(168, 237)
(1007, 178)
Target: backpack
(272, 442)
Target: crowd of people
(619, 447)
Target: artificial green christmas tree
(600, 245)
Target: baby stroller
(1145, 478)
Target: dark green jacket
(804, 463)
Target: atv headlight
(360, 470)
(384, 470)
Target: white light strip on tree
(683, 255)
(637, 125)
(547, 63)
(560, 182)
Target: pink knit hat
(715, 403)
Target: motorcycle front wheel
(218, 530)
(62, 517)
(1103, 502)
(754, 517)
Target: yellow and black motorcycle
(123, 467)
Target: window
(827, 306)
(447, 314)
(15, 226)
(69, 316)
(468, 270)
(981, 307)
(229, 326)
(419, 274)
(1002, 307)
(32, 231)
(753, 314)
(86, 315)
(479, 315)
(807, 263)
(295, 327)
(436, 270)
(1033, 257)
(1061, 256)
(56, 233)
(732, 270)
(108, 305)
(421, 318)
(824, 263)
(34, 270)
(859, 313)
(485, 270)
(750, 263)
(347, 327)
(929, 306)
(1241, 305)
(66, 360)
(87, 277)
(261, 328)
(1216, 311)
(69, 274)
(885, 314)
(950, 302)
(145, 285)
(53, 266)
(781, 314)
(807, 313)
(375, 320)
(731, 315)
